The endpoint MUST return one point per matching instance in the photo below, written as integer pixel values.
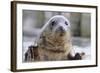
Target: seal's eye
(53, 23)
(66, 23)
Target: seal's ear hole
(66, 23)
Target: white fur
(55, 17)
(66, 27)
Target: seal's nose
(61, 29)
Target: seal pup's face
(57, 26)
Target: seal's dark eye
(66, 23)
(53, 23)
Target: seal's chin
(60, 34)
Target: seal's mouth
(60, 31)
(60, 34)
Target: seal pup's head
(56, 33)
(57, 26)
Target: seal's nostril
(61, 29)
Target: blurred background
(33, 21)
